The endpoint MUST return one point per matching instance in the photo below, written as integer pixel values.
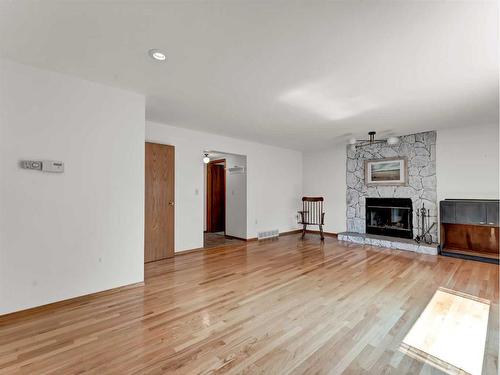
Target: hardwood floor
(211, 240)
(276, 307)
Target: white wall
(325, 175)
(467, 162)
(70, 234)
(467, 166)
(274, 182)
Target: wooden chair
(312, 214)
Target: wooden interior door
(216, 196)
(159, 202)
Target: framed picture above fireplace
(388, 171)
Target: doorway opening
(216, 196)
(225, 199)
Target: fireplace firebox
(389, 217)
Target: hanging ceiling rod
(355, 143)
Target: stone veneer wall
(420, 149)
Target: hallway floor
(217, 239)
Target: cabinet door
(447, 212)
(470, 213)
(492, 213)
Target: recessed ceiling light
(157, 54)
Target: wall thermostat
(31, 164)
(52, 166)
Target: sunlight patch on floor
(450, 334)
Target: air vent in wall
(236, 170)
(268, 234)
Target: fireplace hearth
(389, 217)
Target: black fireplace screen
(389, 217)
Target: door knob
(171, 203)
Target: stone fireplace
(362, 217)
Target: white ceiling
(295, 74)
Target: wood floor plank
(286, 306)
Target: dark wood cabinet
(473, 212)
(470, 213)
(470, 228)
(447, 212)
(492, 213)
